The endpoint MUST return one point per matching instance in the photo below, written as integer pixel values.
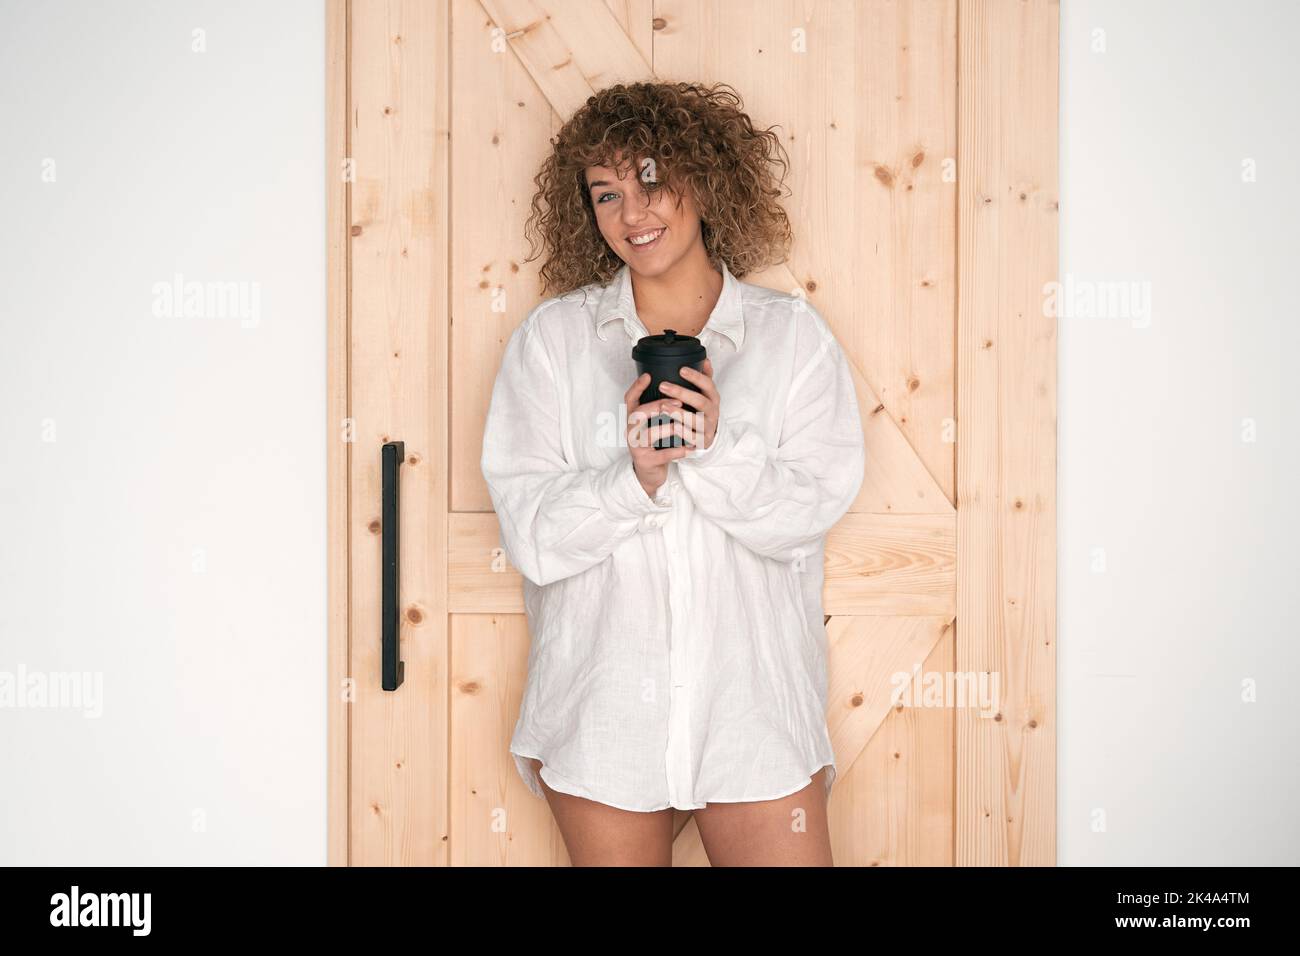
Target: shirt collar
(617, 302)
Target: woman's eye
(603, 195)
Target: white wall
(163, 476)
(1197, 525)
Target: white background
(180, 443)
(1195, 525)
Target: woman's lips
(653, 244)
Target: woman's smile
(640, 243)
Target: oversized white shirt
(678, 647)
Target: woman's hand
(699, 426)
(651, 463)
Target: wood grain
(398, 233)
(1006, 453)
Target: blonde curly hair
(699, 139)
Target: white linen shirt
(678, 647)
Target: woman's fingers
(692, 420)
(657, 421)
(686, 395)
(651, 425)
(702, 380)
(665, 430)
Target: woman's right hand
(650, 463)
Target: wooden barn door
(922, 137)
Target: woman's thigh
(596, 834)
(787, 831)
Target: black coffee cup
(663, 356)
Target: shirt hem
(558, 782)
(830, 779)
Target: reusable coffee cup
(662, 356)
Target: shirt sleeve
(556, 519)
(779, 501)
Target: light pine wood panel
(905, 217)
(895, 805)
(875, 564)
(891, 564)
(637, 19)
(895, 480)
(496, 820)
(858, 88)
(398, 233)
(869, 109)
(570, 46)
(1006, 401)
(500, 136)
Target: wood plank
(496, 820)
(866, 652)
(399, 274)
(569, 47)
(1006, 453)
(891, 564)
(497, 145)
(636, 18)
(894, 804)
(904, 220)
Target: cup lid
(668, 344)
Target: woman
(678, 652)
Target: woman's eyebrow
(598, 182)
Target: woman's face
(626, 210)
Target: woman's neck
(680, 298)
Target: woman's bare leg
(787, 831)
(599, 835)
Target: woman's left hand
(698, 427)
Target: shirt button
(651, 521)
(663, 501)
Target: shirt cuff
(620, 493)
(722, 442)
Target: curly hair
(699, 139)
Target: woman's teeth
(646, 240)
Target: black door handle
(390, 524)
